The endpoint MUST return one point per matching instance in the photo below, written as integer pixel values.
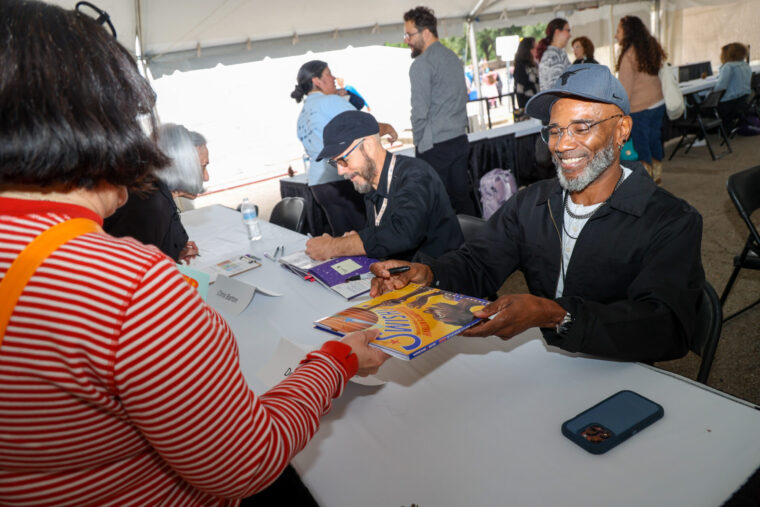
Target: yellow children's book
(412, 320)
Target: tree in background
(486, 40)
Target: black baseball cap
(342, 130)
(586, 81)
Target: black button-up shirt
(634, 280)
(418, 216)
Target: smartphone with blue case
(612, 421)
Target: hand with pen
(393, 275)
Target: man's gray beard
(367, 173)
(601, 161)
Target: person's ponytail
(541, 47)
(554, 25)
(297, 93)
(308, 70)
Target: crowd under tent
(226, 67)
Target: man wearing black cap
(611, 260)
(407, 206)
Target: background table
(477, 421)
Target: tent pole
(140, 41)
(475, 66)
(654, 19)
(611, 24)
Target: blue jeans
(647, 140)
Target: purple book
(337, 271)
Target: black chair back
(712, 101)
(290, 213)
(471, 226)
(755, 81)
(709, 324)
(744, 190)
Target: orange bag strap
(31, 257)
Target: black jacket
(633, 282)
(152, 219)
(418, 216)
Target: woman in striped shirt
(118, 384)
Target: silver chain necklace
(591, 213)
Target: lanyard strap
(31, 257)
(379, 214)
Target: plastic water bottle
(306, 162)
(251, 220)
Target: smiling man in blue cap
(408, 210)
(612, 261)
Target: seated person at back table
(734, 76)
(408, 209)
(611, 260)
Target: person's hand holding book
(370, 359)
(514, 313)
(386, 281)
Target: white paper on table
(283, 362)
(286, 358)
(233, 296)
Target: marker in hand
(397, 270)
(363, 276)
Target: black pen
(397, 270)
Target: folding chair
(754, 102)
(705, 120)
(744, 190)
(709, 324)
(471, 226)
(290, 213)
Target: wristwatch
(564, 326)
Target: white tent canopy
(189, 34)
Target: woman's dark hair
(71, 101)
(733, 52)
(554, 25)
(423, 17)
(649, 53)
(308, 70)
(523, 53)
(586, 44)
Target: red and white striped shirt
(119, 385)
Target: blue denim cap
(585, 81)
(342, 130)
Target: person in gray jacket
(552, 57)
(439, 101)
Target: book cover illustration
(348, 276)
(412, 319)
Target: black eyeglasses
(551, 134)
(102, 17)
(341, 161)
(408, 35)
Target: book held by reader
(411, 320)
(348, 276)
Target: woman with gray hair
(189, 154)
(152, 217)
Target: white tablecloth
(477, 421)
